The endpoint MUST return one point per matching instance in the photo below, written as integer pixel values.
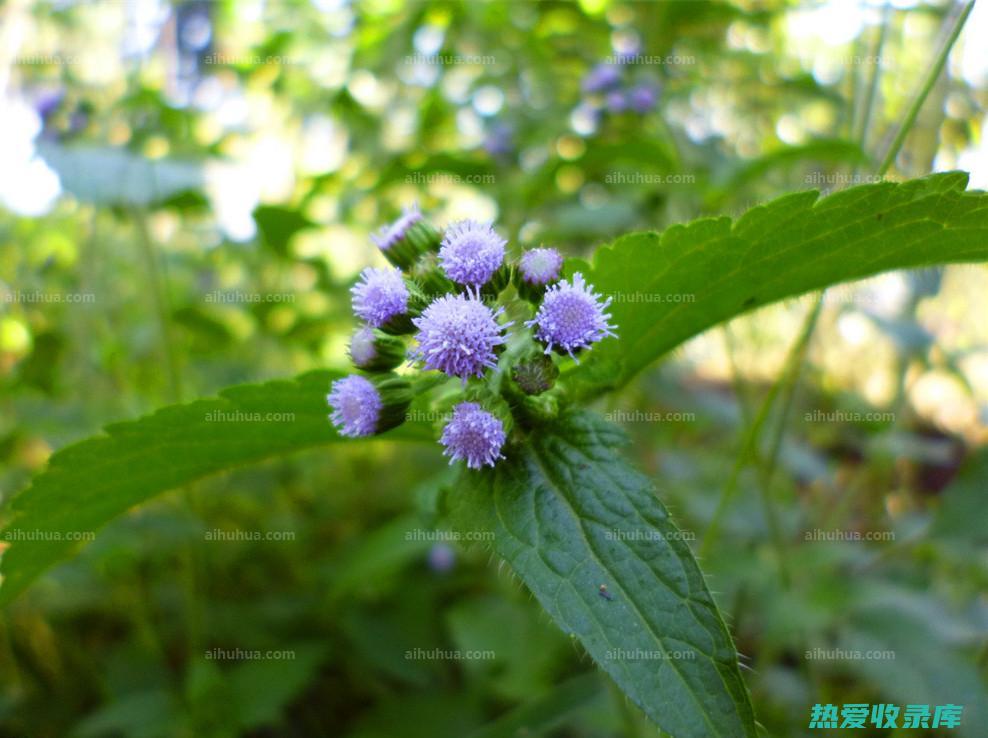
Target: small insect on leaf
(602, 591)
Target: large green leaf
(569, 514)
(671, 286)
(91, 482)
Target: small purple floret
(572, 316)
(473, 435)
(356, 406)
(380, 295)
(458, 335)
(391, 234)
(601, 78)
(541, 266)
(471, 252)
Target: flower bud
(535, 375)
(405, 240)
(373, 350)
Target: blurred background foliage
(186, 193)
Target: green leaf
(89, 483)
(569, 514)
(672, 286)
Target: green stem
(872, 89)
(749, 445)
(924, 91)
(160, 299)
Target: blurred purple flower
(442, 558)
(601, 78)
(616, 101)
(643, 98)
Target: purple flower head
(458, 335)
(541, 266)
(571, 316)
(601, 78)
(474, 435)
(642, 98)
(471, 252)
(356, 406)
(388, 236)
(380, 295)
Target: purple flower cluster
(605, 89)
(458, 333)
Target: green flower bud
(373, 350)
